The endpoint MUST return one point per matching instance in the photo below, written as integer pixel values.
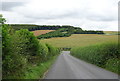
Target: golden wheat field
(39, 32)
(80, 40)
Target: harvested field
(39, 32)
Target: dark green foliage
(67, 31)
(2, 20)
(43, 51)
(65, 49)
(113, 65)
(33, 27)
(5, 39)
(88, 32)
(52, 51)
(54, 34)
(28, 41)
(13, 62)
(103, 55)
(68, 28)
(20, 50)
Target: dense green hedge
(22, 49)
(104, 55)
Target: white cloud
(88, 14)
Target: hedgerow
(105, 55)
(22, 49)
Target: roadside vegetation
(39, 71)
(104, 55)
(22, 54)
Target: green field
(80, 40)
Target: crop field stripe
(80, 40)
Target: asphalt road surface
(69, 67)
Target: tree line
(33, 27)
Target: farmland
(39, 32)
(80, 40)
(111, 32)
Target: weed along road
(69, 67)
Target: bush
(13, 62)
(43, 52)
(98, 54)
(52, 51)
(28, 41)
(113, 65)
(20, 50)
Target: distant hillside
(40, 32)
(61, 31)
(66, 32)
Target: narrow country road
(69, 67)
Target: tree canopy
(2, 20)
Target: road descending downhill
(69, 67)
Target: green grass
(105, 55)
(113, 65)
(80, 40)
(37, 72)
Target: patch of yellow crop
(80, 40)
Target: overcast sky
(87, 14)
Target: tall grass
(37, 72)
(105, 55)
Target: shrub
(43, 51)
(52, 51)
(13, 63)
(98, 54)
(20, 50)
(113, 65)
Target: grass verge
(37, 72)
